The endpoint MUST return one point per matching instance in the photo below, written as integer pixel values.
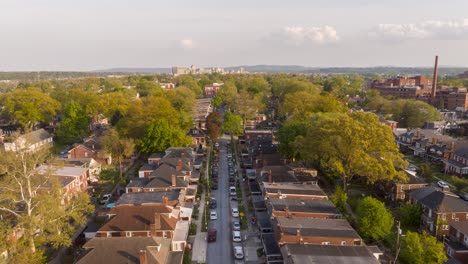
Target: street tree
(74, 125)
(29, 106)
(120, 148)
(373, 219)
(214, 123)
(422, 249)
(339, 198)
(232, 124)
(410, 215)
(33, 202)
(228, 94)
(352, 144)
(160, 135)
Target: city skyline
(85, 36)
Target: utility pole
(397, 241)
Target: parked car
(212, 235)
(213, 215)
(105, 198)
(442, 184)
(232, 191)
(215, 186)
(235, 212)
(236, 225)
(213, 204)
(236, 236)
(238, 252)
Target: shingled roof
(139, 218)
(438, 201)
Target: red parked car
(212, 235)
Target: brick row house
(440, 208)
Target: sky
(66, 35)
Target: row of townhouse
(450, 153)
(296, 220)
(150, 222)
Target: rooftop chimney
(270, 180)
(434, 80)
(174, 182)
(165, 199)
(179, 165)
(142, 256)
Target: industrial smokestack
(434, 80)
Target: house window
(164, 234)
(453, 216)
(466, 216)
(343, 243)
(86, 154)
(445, 227)
(325, 243)
(444, 217)
(128, 234)
(465, 239)
(449, 251)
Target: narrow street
(220, 251)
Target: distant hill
(136, 70)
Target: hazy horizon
(53, 35)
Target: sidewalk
(200, 245)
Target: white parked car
(232, 191)
(442, 184)
(236, 236)
(235, 212)
(213, 215)
(238, 252)
(105, 198)
(236, 225)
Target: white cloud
(430, 29)
(299, 36)
(187, 44)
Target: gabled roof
(461, 226)
(438, 201)
(174, 161)
(137, 198)
(165, 181)
(179, 152)
(139, 218)
(116, 249)
(165, 170)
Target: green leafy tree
(410, 215)
(339, 198)
(373, 219)
(141, 113)
(148, 88)
(33, 203)
(120, 148)
(415, 113)
(214, 123)
(182, 98)
(422, 249)
(228, 94)
(160, 135)
(248, 106)
(287, 133)
(349, 145)
(74, 125)
(217, 101)
(30, 105)
(232, 124)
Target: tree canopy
(74, 125)
(33, 202)
(160, 135)
(349, 145)
(214, 123)
(422, 249)
(232, 124)
(374, 220)
(30, 105)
